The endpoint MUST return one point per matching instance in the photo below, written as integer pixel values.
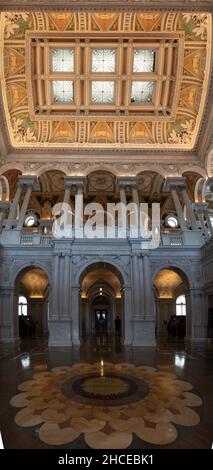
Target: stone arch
(40, 302)
(165, 303)
(181, 270)
(10, 167)
(49, 167)
(110, 264)
(110, 288)
(100, 167)
(29, 265)
(149, 169)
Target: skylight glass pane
(62, 60)
(144, 60)
(103, 60)
(102, 92)
(142, 92)
(62, 91)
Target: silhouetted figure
(172, 326)
(117, 326)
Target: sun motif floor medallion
(107, 403)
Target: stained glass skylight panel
(144, 60)
(62, 60)
(62, 91)
(103, 60)
(142, 92)
(102, 92)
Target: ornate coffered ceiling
(180, 132)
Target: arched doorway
(172, 303)
(101, 302)
(31, 303)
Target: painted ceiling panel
(178, 132)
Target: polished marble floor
(105, 395)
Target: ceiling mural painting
(123, 92)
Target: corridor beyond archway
(101, 303)
(172, 304)
(31, 303)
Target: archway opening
(31, 303)
(172, 304)
(101, 303)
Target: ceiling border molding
(131, 5)
(71, 168)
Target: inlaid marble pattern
(109, 424)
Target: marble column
(80, 184)
(189, 208)
(145, 325)
(201, 210)
(9, 329)
(29, 182)
(75, 315)
(4, 206)
(178, 208)
(128, 322)
(55, 287)
(24, 207)
(67, 184)
(134, 218)
(136, 285)
(14, 205)
(135, 197)
(122, 219)
(66, 283)
(198, 324)
(148, 293)
(60, 320)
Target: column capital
(4, 205)
(200, 207)
(146, 254)
(77, 181)
(28, 180)
(174, 182)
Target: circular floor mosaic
(106, 403)
(100, 390)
